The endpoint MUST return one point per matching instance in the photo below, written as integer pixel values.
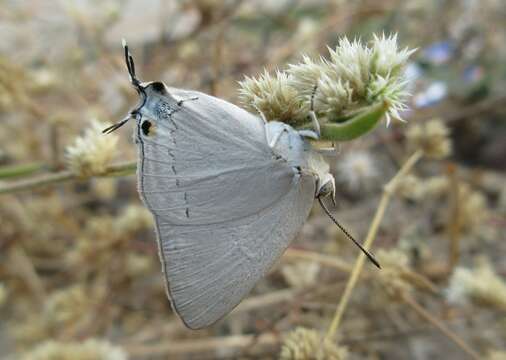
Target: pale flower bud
(91, 153)
(304, 344)
(432, 138)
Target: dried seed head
(474, 209)
(357, 170)
(481, 285)
(91, 153)
(67, 306)
(393, 262)
(274, 97)
(133, 218)
(137, 265)
(435, 185)
(431, 137)
(410, 187)
(301, 273)
(307, 344)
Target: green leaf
(355, 126)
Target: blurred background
(79, 271)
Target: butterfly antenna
(368, 254)
(116, 126)
(129, 60)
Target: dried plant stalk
(439, 325)
(233, 344)
(119, 169)
(14, 171)
(371, 235)
(454, 225)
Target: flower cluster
(274, 97)
(91, 153)
(357, 171)
(432, 138)
(355, 77)
(481, 285)
(306, 344)
(394, 263)
(300, 274)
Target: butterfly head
(144, 89)
(326, 186)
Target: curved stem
(20, 170)
(119, 169)
(355, 126)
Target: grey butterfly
(228, 192)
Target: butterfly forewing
(225, 206)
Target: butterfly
(228, 192)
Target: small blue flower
(432, 95)
(439, 52)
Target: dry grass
(78, 258)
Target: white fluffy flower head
(481, 285)
(357, 80)
(91, 153)
(356, 170)
(273, 96)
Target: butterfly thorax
(290, 145)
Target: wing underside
(211, 268)
(225, 206)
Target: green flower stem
(12, 171)
(356, 126)
(120, 169)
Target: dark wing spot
(145, 126)
(158, 87)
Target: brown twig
(227, 346)
(319, 258)
(454, 224)
(439, 325)
(23, 266)
(63, 176)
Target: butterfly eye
(326, 186)
(326, 189)
(158, 87)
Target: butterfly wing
(225, 205)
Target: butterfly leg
(312, 114)
(315, 123)
(276, 138)
(262, 115)
(334, 151)
(315, 133)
